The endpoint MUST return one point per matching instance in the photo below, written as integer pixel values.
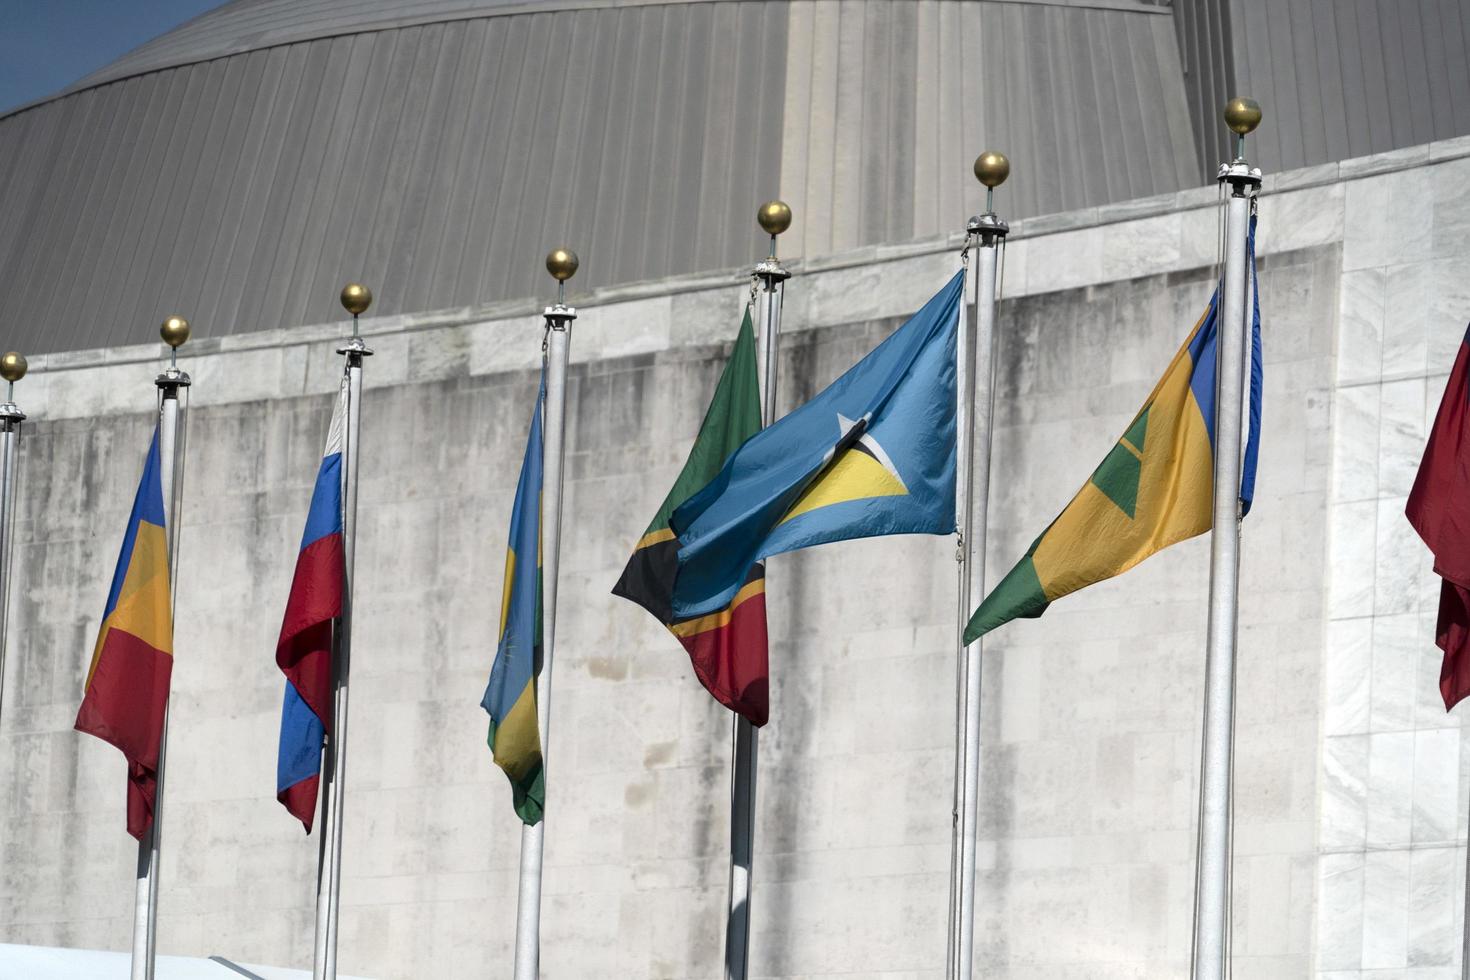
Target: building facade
(1352, 783)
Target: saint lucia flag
(510, 697)
(304, 649)
(1155, 488)
(872, 454)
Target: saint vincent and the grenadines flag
(727, 647)
(304, 650)
(510, 697)
(872, 454)
(132, 663)
(1155, 488)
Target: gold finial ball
(175, 331)
(1242, 115)
(356, 298)
(562, 264)
(774, 217)
(13, 366)
(992, 168)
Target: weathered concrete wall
(1092, 714)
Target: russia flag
(304, 651)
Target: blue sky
(46, 45)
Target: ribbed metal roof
(248, 25)
(1352, 77)
(241, 168)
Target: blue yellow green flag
(1155, 488)
(510, 697)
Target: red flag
(1439, 509)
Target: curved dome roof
(240, 168)
(249, 25)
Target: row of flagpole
(774, 218)
(170, 383)
(975, 371)
(356, 299)
(562, 264)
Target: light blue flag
(872, 454)
(510, 697)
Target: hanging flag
(872, 454)
(727, 647)
(304, 650)
(128, 681)
(1439, 509)
(1155, 488)
(510, 697)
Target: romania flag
(1153, 489)
(728, 647)
(872, 454)
(304, 650)
(510, 697)
(128, 681)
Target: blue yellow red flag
(1153, 489)
(132, 663)
(872, 454)
(510, 697)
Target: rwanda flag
(728, 647)
(872, 454)
(1155, 488)
(128, 681)
(304, 649)
(510, 697)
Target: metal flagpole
(175, 331)
(774, 218)
(1212, 873)
(562, 264)
(12, 369)
(975, 380)
(356, 299)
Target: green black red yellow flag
(727, 647)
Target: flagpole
(12, 369)
(562, 264)
(1212, 875)
(774, 218)
(175, 331)
(356, 299)
(974, 377)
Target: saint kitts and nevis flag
(128, 680)
(872, 454)
(727, 647)
(304, 650)
(510, 696)
(1153, 489)
(1439, 509)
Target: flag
(1153, 489)
(510, 697)
(128, 681)
(1439, 509)
(872, 454)
(727, 647)
(304, 650)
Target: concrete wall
(1092, 714)
(1394, 766)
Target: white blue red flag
(304, 651)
